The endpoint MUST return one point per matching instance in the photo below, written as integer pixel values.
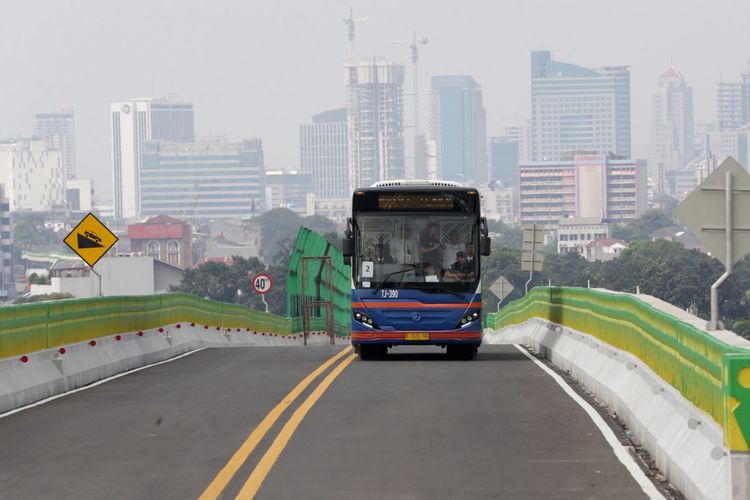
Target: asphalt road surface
(415, 425)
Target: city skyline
(493, 47)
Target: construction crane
(350, 22)
(414, 44)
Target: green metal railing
(31, 327)
(713, 375)
(44, 325)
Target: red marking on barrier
(264, 334)
(218, 328)
(140, 334)
(92, 343)
(192, 324)
(238, 329)
(61, 350)
(118, 337)
(161, 330)
(178, 325)
(24, 359)
(205, 326)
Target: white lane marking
(621, 451)
(94, 384)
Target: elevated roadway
(416, 425)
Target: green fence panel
(23, 328)
(311, 244)
(711, 374)
(31, 327)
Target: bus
(414, 249)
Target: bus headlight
(364, 319)
(467, 319)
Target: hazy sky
(262, 68)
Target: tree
(505, 235)
(277, 224)
(319, 224)
(29, 230)
(641, 228)
(217, 281)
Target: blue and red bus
(414, 250)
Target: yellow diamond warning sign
(90, 239)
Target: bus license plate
(416, 336)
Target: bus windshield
(409, 250)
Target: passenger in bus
(431, 249)
(379, 255)
(470, 252)
(453, 246)
(460, 270)
(404, 247)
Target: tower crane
(350, 22)
(414, 44)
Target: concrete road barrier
(684, 441)
(35, 376)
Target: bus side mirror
(485, 245)
(347, 247)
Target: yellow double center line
(252, 485)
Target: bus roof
(416, 183)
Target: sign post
(90, 240)
(501, 288)
(262, 284)
(724, 228)
(532, 258)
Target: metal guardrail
(711, 374)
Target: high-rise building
(519, 133)
(33, 175)
(134, 123)
(585, 186)
(58, 129)
(375, 104)
(202, 180)
(7, 286)
(578, 109)
(672, 144)
(324, 153)
(289, 189)
(504, 160)
(459, 128)
(733, 103)
(79, 193)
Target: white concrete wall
(685, 442)
(50, 372)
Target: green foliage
(281, 223)
(35, 279)
(220, 282)
(660, 268)
(43, 298)
(641, 228)
(29, 231)
(504, 235)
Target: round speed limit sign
(262, 283)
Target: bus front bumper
(417, 338)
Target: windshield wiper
(413, 267)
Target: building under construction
(375, 103)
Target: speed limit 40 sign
(262, 283)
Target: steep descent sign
(90, 239)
